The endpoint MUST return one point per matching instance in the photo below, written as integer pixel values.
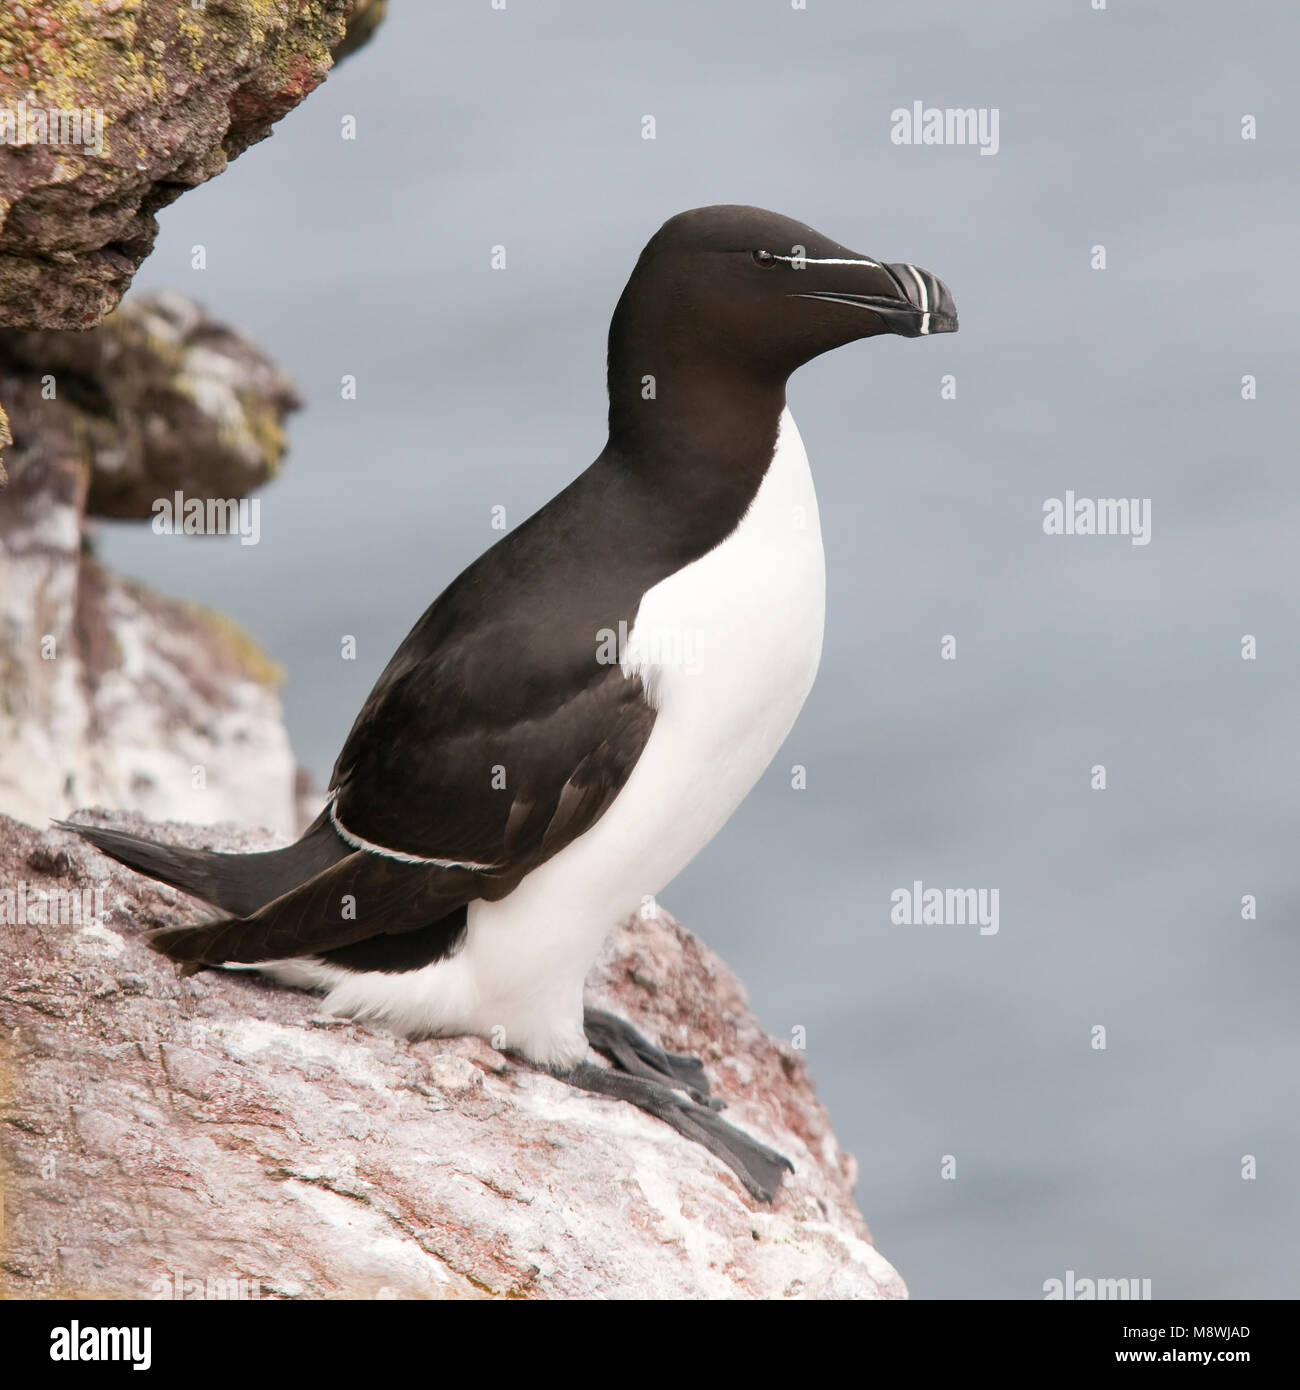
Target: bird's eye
(764, 258)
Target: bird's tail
(238, 883)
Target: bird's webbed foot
(634, 1053)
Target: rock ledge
(216, 1137)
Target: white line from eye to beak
(823, 260)
(925, 298)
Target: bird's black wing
(502, 729)
(496, 769)
(361, 897)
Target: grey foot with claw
(634, 1053)
(673, 1088)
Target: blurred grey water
(478, 388)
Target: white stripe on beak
(925, 298)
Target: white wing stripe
(358, 843)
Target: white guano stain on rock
(212, 1125)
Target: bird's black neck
(683, 420)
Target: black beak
(922, 304)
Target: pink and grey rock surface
(216, 1135)
(109, 692)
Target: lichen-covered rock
(216, 1137)
(159, 398)
(149, 98)
(108, 692)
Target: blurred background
(477, 388)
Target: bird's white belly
(727, 649)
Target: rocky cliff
(109, 692)
(214, 1136)
(110, 111)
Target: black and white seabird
(578, 714)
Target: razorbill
(577, 715)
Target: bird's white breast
(726, 649)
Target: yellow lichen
(242, 650)
(267, 432)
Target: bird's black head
(744, 290)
